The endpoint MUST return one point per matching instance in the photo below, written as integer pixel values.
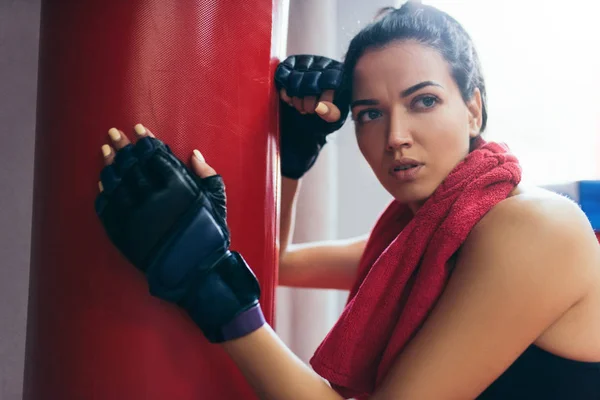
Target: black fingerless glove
(171, 225)
(303, 136)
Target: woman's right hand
(170, 222)
(312, 106)
(323, 105)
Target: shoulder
(526, 263)
(537, 215)
(537, 235)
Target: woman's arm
(328, 265)
(521, 269)
(314, 265)
(289, 191)
(274, 371)
(269, 365)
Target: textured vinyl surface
(199, 75)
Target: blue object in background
(589, 200)
(584, 193)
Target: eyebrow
(405, 93)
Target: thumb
(200, 167)
(328, 111)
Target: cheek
(371, 148)
(448, 136)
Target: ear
(475, 108)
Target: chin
(410, 193)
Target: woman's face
(412, 124)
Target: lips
(405, 169)
(404, 163)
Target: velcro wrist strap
(242, 325)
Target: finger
(327, 96)
(200, 167)
(215, 189)
(284, 97)
(309, 103)
(118, 138)
(110, 178)
(100, 187)
(297, 102)
(328, 111)
(108, 154)
(141, 131)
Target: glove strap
(225, 302)
(242, 325)
(175, 265)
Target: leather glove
(171, 224)
(303, 136)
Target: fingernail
(321, 109)
(114, 134)
(139, 129)
(106, 150)
(199, 156)
(100, 186)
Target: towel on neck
(405, 267)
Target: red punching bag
(198, 73)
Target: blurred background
(541, 65)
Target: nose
(399, 135)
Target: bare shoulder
(537, 215)
(530, 260)
(537, 232)
(535, 208)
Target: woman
(516, 311)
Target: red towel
(405, 267)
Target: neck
(414, 206)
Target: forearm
(289, 190)
(274, 371)
(330, 264)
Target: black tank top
(538, 374)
